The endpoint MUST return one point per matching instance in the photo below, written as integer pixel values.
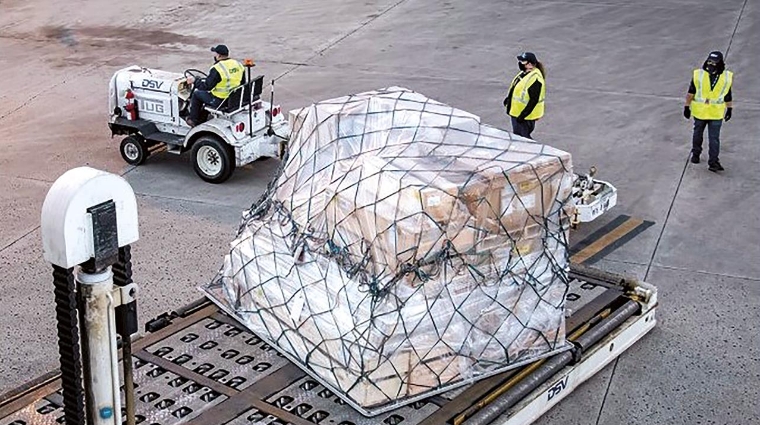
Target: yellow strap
(699, 83)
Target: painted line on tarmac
(607, 239)
(15, 241)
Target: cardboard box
(438, 367)
(411, 226)
(375, 386)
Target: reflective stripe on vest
(709, 102)
(520, 95)
(231, 73)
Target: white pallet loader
(197, 365)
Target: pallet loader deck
(198, 366)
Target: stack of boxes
(398, 262)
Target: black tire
(213, 160)
(134, 150)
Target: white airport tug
(149, 107)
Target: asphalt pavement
(617, 73)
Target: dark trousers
(713, 133)
(200, 98)
(523, 128)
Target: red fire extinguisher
(131, 105)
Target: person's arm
(690, 94)
(508, 99)
(689, 98)
(534, 93)
(209, 82)
(729, 99)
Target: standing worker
(709, 101)
(226, 75)
(525, 100)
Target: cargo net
(404, 249)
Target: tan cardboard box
(437, 369)
(375, 386)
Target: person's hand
(728, 114)
(190, 80)
(520, 119)
(505, 101)
(686, 112)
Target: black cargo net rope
(404, 247)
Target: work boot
(694, 159)
(715, 166)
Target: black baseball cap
(715, 56)
(528, 57)
(221, 49)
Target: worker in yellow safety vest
(226, 75)
(709, 102)
(525, 99)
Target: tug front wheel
(133, 150)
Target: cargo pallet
(198, 366)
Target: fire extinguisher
(131, 105)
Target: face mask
(521, 66)
(711, 68)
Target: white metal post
(88, 217)
(100, 351)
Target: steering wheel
(196, 74)
(192, 72)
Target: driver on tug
(226, 75)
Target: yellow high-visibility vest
(709, 103)
(520, 95)
(231, 72)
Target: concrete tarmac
(617, 72)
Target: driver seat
(239, 98)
